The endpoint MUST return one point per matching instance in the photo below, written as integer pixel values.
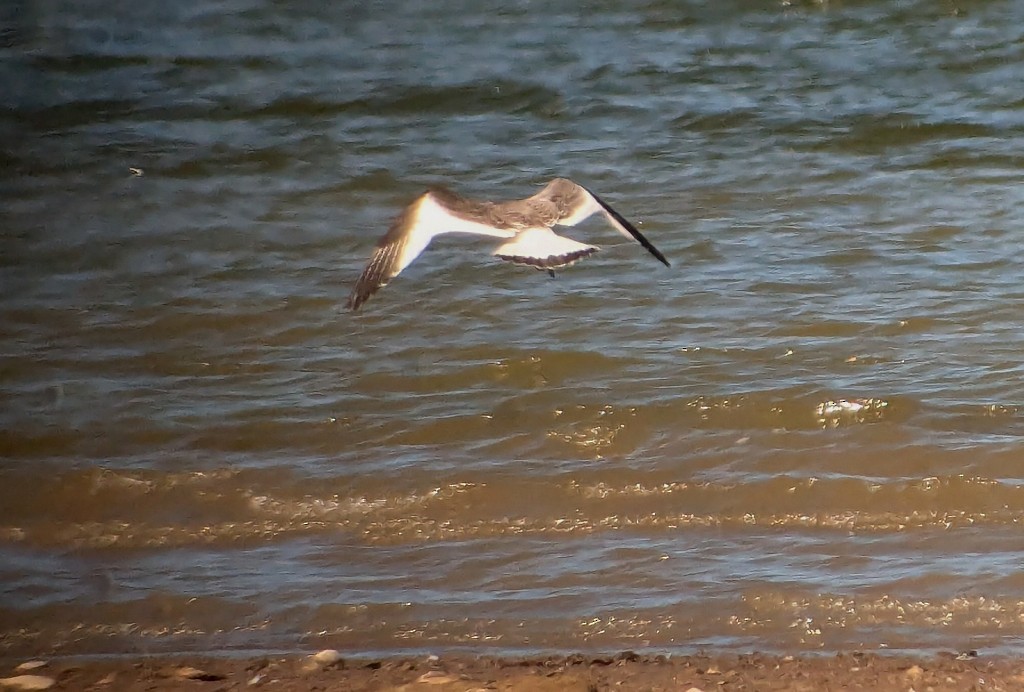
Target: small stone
(327, 657)
(190, 673)
(694, 689)
(105, 680)
(28, 682)
(30, 665)
(436, 677)
(309, 666)
(913, 673)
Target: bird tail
(544, 249)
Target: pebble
(326, 657)
(436, 677)
(190, 673)
(30, 665)
(28, 682)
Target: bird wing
(571, 203)
(528, 221)
(428, 215)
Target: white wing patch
(436, 219)
(583, 211)
(616, 225)
(431, 219)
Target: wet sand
(624, 671)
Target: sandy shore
(626, 671)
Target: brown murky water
(806, 435)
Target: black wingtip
(354, 302)
(368, 284)
(359, 294)
(640, 238)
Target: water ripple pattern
(806, 435)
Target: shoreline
(328, 670)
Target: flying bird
(524, 225)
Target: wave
(110, 509)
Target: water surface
(804, 436)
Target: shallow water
(804, 436)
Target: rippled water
(805, 435)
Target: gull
(524, 225)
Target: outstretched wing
(527, 222)
(432, 213)
(572, 203)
